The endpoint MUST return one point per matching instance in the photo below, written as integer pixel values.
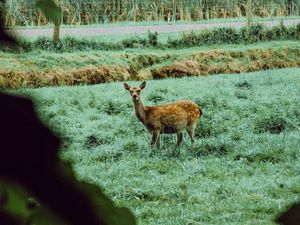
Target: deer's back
(173, 117)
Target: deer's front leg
(155, 137)
(158, 142)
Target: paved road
(161, 28)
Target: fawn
(170, 118)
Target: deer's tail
(200, 111)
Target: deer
(171, 118)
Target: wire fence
(79, 12)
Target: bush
(134, 42)
(226, 35)
(256, 33)
(191, 39)
(152, 38)
(279, 32)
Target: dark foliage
(29, 158)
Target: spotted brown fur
(170, 118)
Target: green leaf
(51, 10)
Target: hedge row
(223, 35)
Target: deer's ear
(143, 85)
(126, 86)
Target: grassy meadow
(243, 169)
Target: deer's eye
(138, 92)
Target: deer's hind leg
(179, 139)
(191, 131)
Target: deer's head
(135, 92)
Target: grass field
(244, 168)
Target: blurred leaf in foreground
(51, 10)
(5, 38)
(29, 160)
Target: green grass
(243, 169)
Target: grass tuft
(274, 124)
(244, 85)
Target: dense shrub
(135, 42)
(226, 35)
(152, 38)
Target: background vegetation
(23, 12)
(244, 168)
(255, 33)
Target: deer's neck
(140, 111)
